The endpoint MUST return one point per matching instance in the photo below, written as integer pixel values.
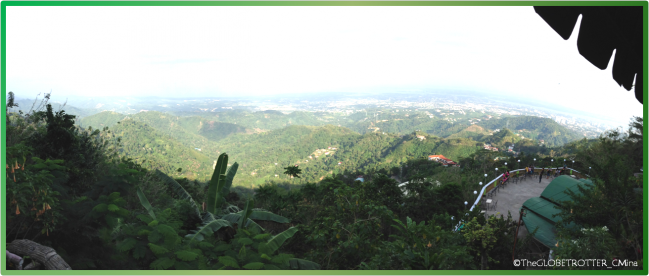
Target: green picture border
(3, 79)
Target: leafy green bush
(421, 246)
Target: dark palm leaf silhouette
(602, 30)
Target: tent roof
(542, 207)
(555, 191)
(546, 232)
(541, 210)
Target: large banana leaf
(258, 215)
(265, 215)
(273, 244)
(236, 217)
(229, 176)
(145, 203)
(178, 189)
(214, 197)
(208, 217)
(232, 209)
(207, 229)
(303, 264)
(246, 213)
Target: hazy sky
(221, 51)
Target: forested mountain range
(156, 137)
(264, 143)
(535, 128)
(104, 207)
(155, 150)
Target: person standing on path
(548, 175)
(541, 175)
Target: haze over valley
(267, 134)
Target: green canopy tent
(540, 211)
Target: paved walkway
(513, 195)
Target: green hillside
(257, 150)
(535, 128)
(101, 120)
(142, 142)
(97, 205)
(473, 132)
(265, 120)
(402, 124)
(501, 138)
(412, 148)
(258, 153)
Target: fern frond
(186, 255)
(229, 261)
(156, 249)
(162, 263)
(139, 251)
(166, 230)
(126, 244)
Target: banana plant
(215, 219)
(219, 188)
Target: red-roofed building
(442, 160)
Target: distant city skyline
(261, 51)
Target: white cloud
(193, 51)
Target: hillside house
(489, 147)
(421, 137)
(442, 160)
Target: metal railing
(482, 191)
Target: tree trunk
(482, 262)
(42, 254)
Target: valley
(367, 135)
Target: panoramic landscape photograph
(324, 137)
